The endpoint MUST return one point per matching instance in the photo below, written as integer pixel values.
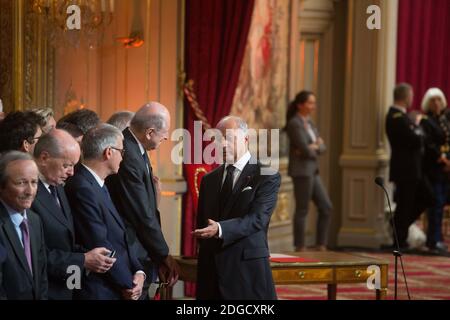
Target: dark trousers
(208, 287)
(435, 213)
(151, 270)
(412, 198)
(305, 190)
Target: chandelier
(95, 16)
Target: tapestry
(261, 95)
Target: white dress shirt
(47, 186)
(239, 165)
(309, 129)
(141, 147)
(99, 180)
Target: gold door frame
(31, 83)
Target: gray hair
(50, 143)
(143, 120)
(121, 119)
(241, 124)
(401, 91)
(8, 157)
(97, 139)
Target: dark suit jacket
(134, 195)
(239, 262)
(60, 240)
(435, 128)
(98, 224)
(406, 140)
(18, 282)
(303, 162)
(2, 261)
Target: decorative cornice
(315, 16)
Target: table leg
(165, 293)
(332, 291)
(381, 294)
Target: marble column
(369, 81)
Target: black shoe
(438, 248)
(441, 246)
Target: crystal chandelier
(95, 16)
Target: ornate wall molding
(30, 54)
(6, 53)
(26, 58)
(18, 49)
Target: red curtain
(423, 46)
(216, 37)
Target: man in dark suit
(236, 202)
(56, 154)
(406, 140)
(24, 275)
(97, 222)
(2, 261)
(135, 189)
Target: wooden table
(332, 268)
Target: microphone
(380, 181)
(396, 252)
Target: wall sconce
(135, 39)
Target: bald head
(151, 115)
(56, 154)
(232, 122)
(151, 124)
(235, 138)
(55, 143)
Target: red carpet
(428, 279)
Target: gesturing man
(235, 204)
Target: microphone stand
(396, 252)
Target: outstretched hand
(210, 231)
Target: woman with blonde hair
(48, 115)
(436, 162)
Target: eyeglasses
(34, 140)
(122, 151)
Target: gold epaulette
(397, 115)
